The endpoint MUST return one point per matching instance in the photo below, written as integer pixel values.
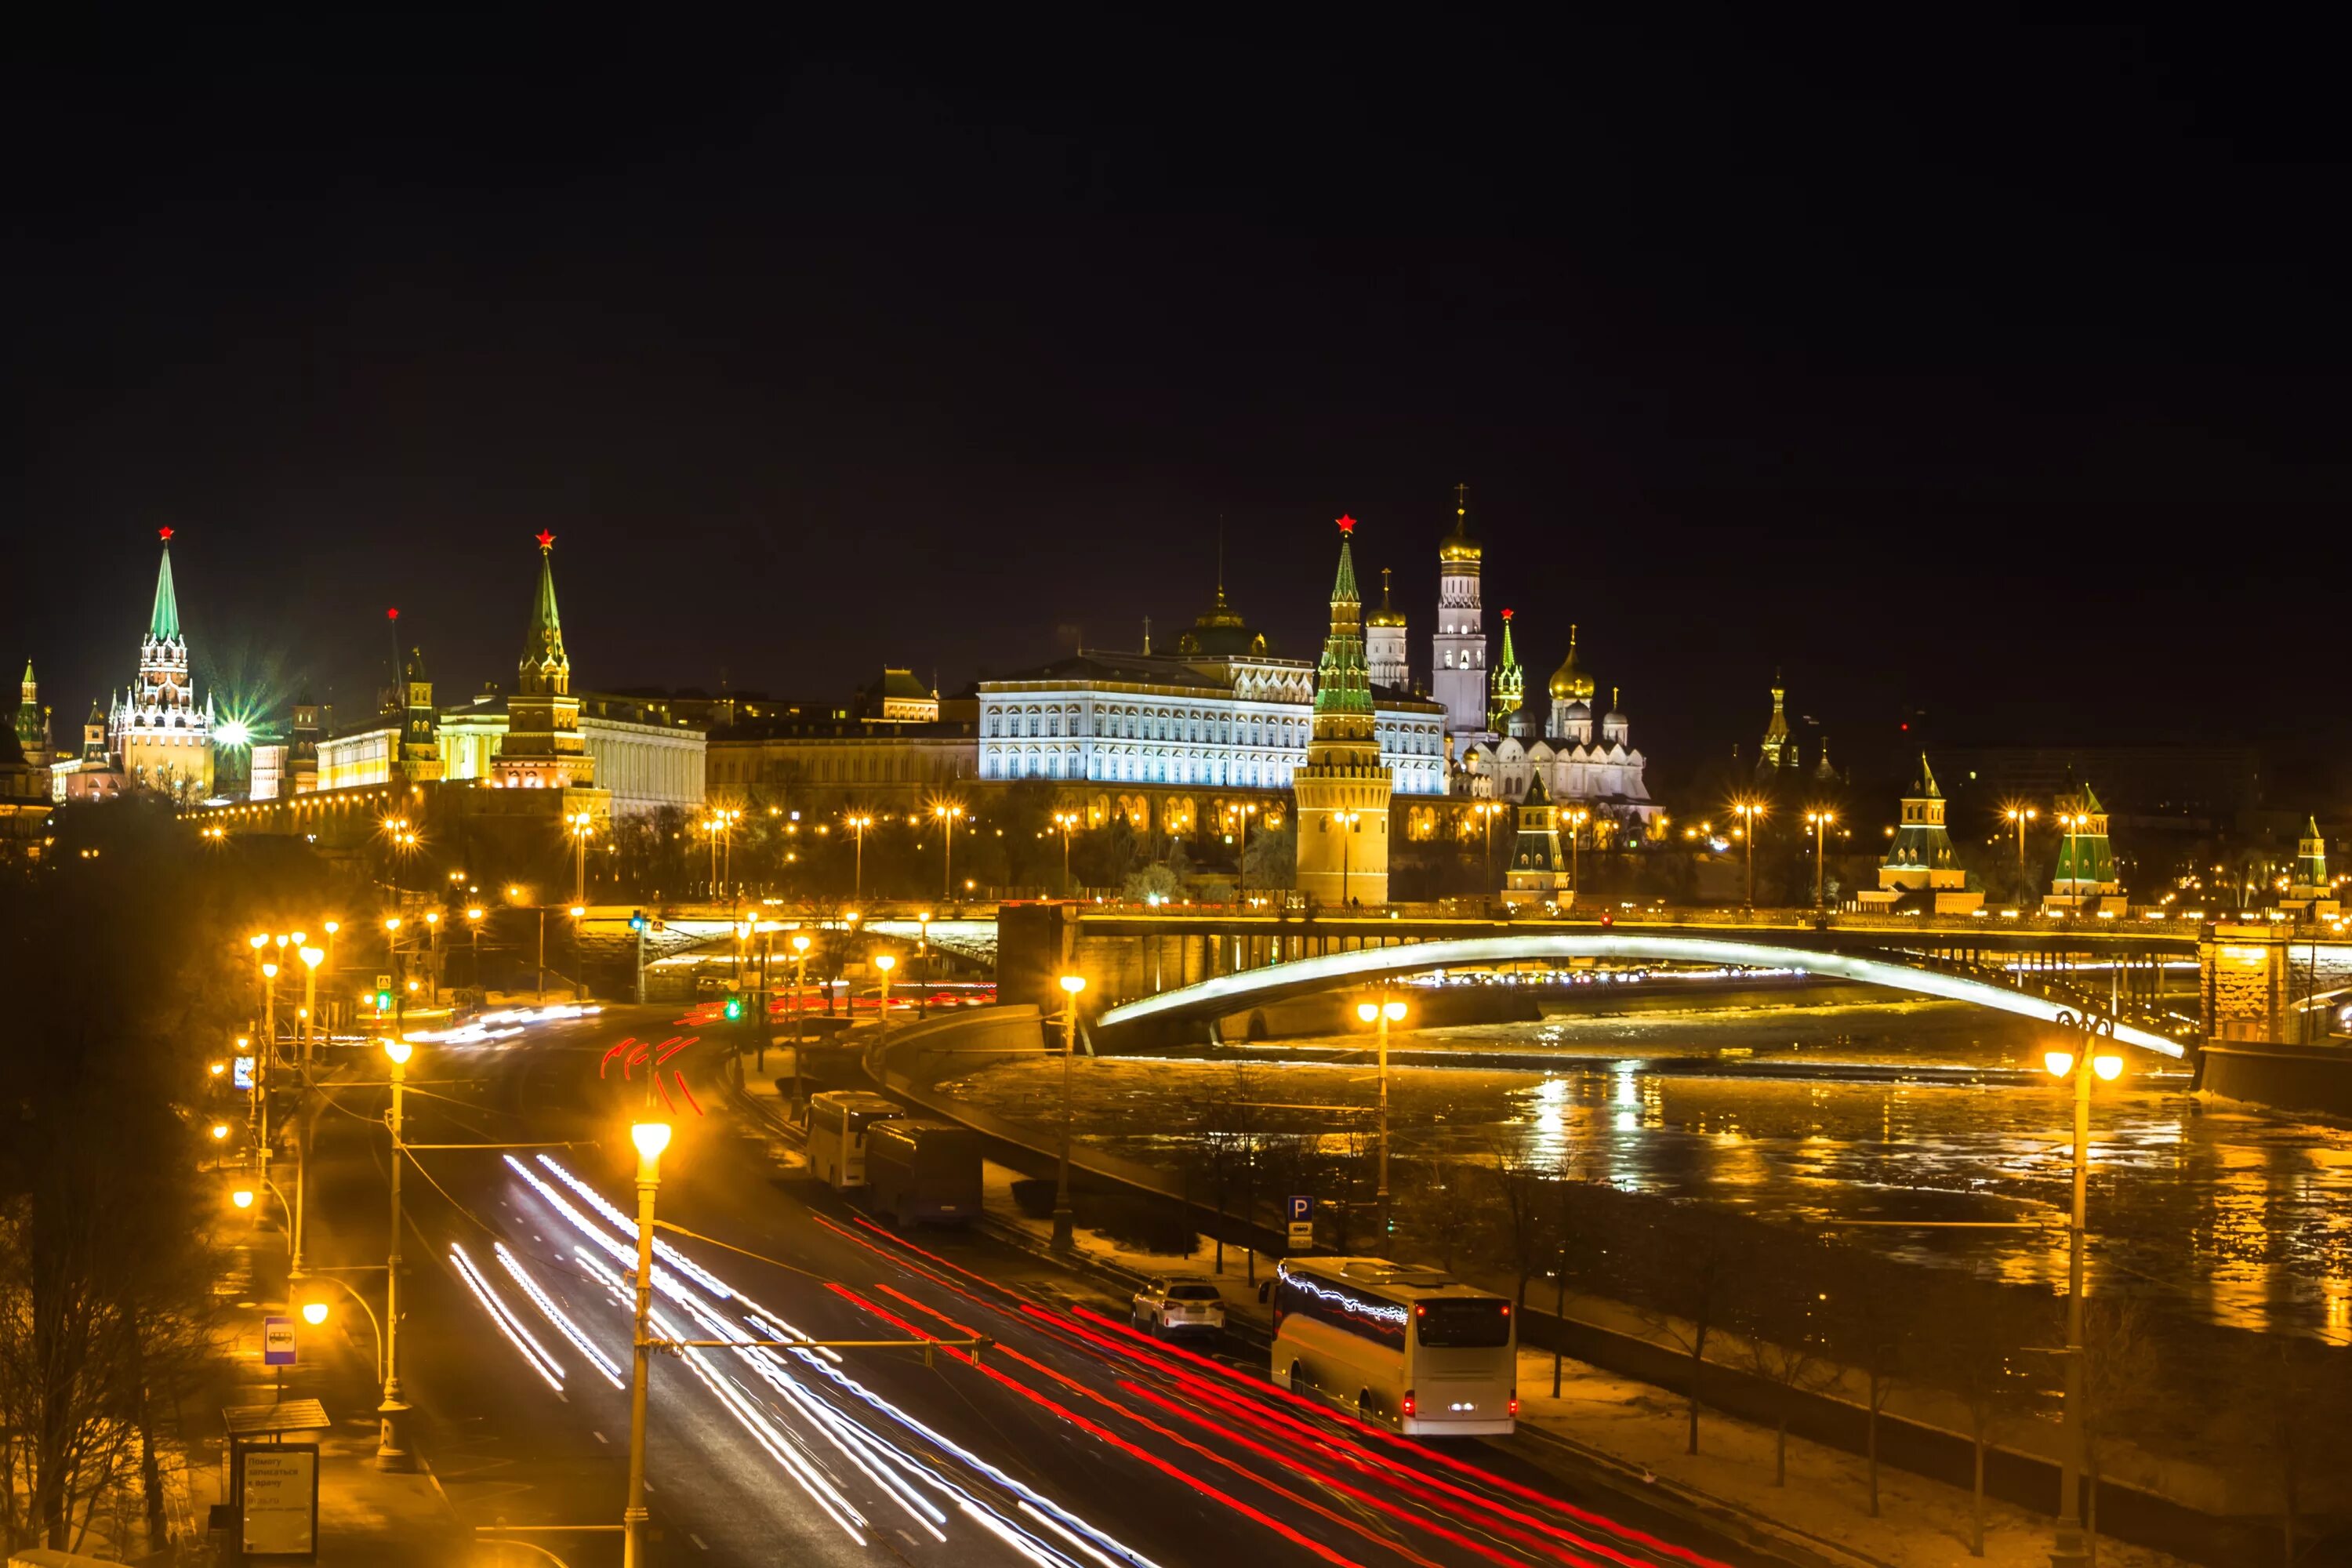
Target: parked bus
(837, 1120)
(1406, 1348)
(922, 1171)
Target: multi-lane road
(1070, 1440)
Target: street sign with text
(1301, 1213)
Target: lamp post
(1381, 1015)
(1347, 821)
(582, 827)
(2073, 822)
(267, 1054)
(1065, 1230)
(432, 957)
(800, 984)
(1239, 815)
(2067, 1549)
(1577, 818)
(1749, 813)
(331, 928)
(392, 1444)
(311, 958)
(651, 1137)
(923, 952)
(948, 815)
(315, 1313)
(578, 953)
(1818, 819)
(2018, 816)
(858, 822)
(474, 914)
(886, 963)
(1064, 821)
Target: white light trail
(628, 1227)
(541, 1362)
(555, 1314)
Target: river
(1832, 1109)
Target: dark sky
(1998, 375)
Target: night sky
(1997, 376)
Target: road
(1070, 1440)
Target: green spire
(1507, 688)
(544, 665)
(163, 626)
(1343, 684)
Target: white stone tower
(1384, 649)
(1458, 675)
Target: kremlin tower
(158, 735)
(1507, 690)
(1384, 649)
(1342, 793)
(543, 748)
(1458, 668)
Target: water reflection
(1826, 1114)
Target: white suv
(1181, 1306)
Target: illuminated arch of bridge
(1232, 992)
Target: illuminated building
(1384, 643)
(1507, 691)
(899, 699)
(1342, 792)
(1601, 772)
(1777, 755)
(1458, 648)
(543, 748)
(156, 733)
(2311, 895)
(2084, 879)
(1922, 859)
(1538, 872)
(33, 723)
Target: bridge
(1204, 1000)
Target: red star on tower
(392, 615)
(165, 534)
(1347, 524)
(546, 540)
(1506, 614)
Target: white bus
(837, 1120)
(1406, 1348)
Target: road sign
(242, 1075)
(383, 982)
(278, 1341)
(1301, 1211)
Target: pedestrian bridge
(1242, 989)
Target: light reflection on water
(2223, 1211)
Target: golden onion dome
(1458, 545)
(1385, 615)
(1570, 683)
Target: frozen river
(1839, 1110)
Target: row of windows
(1055, 763)
(1287, 734)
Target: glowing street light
(2061, 1064)
(651, 1137)
(392, 1447)
(1819, 820)
(1065, 823)
(948, 815)
(858, 822)
(1750, 811)
(1381, 1015)
(1064, 1226)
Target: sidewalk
(367, 1517)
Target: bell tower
(1458, 676)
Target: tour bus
(922, 1171)
(837, 1120)
(1406, 1348)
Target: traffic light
(383, 1001)
(734, 1008)
(637, 920)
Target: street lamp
(886, 963)
(311, 958)
(1238, 815)
(474, 914)
(1749, 813)
(1577, 818)
(1381, 1015)
(316, 1313)
(1064, 1231)
(582, 827)
(800, 984)
(391, 1447)
(1063, 822)
(2020, 816)
(858, 822)
(948, 815)
(2074, 822)
(1819, 820)
(651, 1137)
(923, 952)
(2068, 1547)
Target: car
(1179, 1306)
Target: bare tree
(1872, 1310)
(1691, 1289)
(1518, 1184)
(2120, 1366)
(1980, 1343)
(1782, 1323)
